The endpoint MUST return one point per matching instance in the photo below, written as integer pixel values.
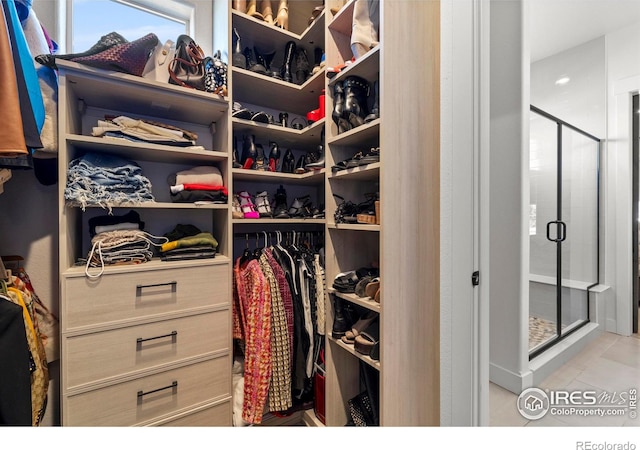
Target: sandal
(362, 284)
(301, 207)
(346, 212)
(346, 282)
(260, 162)
(237, 211)
(263, 205)
(368, 341)
(357, 328)
(372, 287)
(247, 206)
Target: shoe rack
(260, 92)
(404, 242)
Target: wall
(508, 190)
(623, 78)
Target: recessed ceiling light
(562, 80)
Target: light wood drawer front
(216, 416)
(96, 356)
(124, 296)
(140, 400)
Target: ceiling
(557, 25)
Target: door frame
(635, 148)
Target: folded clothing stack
(121, 247)
(106, 180)
(198, 184)
(138, 130)
(188, 242)
(128, 221)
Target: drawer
(216, 416)
(121, 296)
(144, 399)
(96, 356)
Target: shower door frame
(560, 335)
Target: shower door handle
(562, 231)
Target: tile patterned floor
(540, 330)
(608, 363)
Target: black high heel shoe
(238, 59)
(249, 152)
(356, 91)
(236, 159)
(274, 157)
(106, 42)
(260, 163)
(338, 109)
(253, 65)
(302, 65)
(288, 162)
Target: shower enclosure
(563, 228)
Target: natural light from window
(92, 19)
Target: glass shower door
(543, 209)
(580, 214)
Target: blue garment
(26, 64)
(105, 180)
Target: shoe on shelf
(346, 282)
(301, 207)
(247, 206)
(280, 208)
(368, 341)
(282, 18)
(261, 162)
(300, 165)
(249, 151)
(263, 205)
(361, 324)
(274, 156)
(342, 318)
(288, 162)
(237, 210)
(237, 58)
(372, 287)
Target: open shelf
(278, 221)
(314, 177)
(367, 172)
(365, 302)
(343, 20)
(256, 89)
(353, 226)
(110, 90)
(363, 67)
(372, 362)
(144, 151)
(363, 136)
(154, 205)
(307, 138)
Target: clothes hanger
(246, 255)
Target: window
(92, 19)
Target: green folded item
(190, 241)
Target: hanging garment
(15, 378)
(32, 105)
(12, 142)
(255, 298)
(287, 300)
(38, 361)
(320, 295)
(280, 386)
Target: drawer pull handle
(173, 335)
(173, 385)
(140, 287)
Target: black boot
(238, 59)
(342, 320)
(280, 208)
(302, 65)
(356, 91)
(338, 109)
(252, 65)
(289, 53)
(249, 152)
(375, 110)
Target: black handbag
(187, 68)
